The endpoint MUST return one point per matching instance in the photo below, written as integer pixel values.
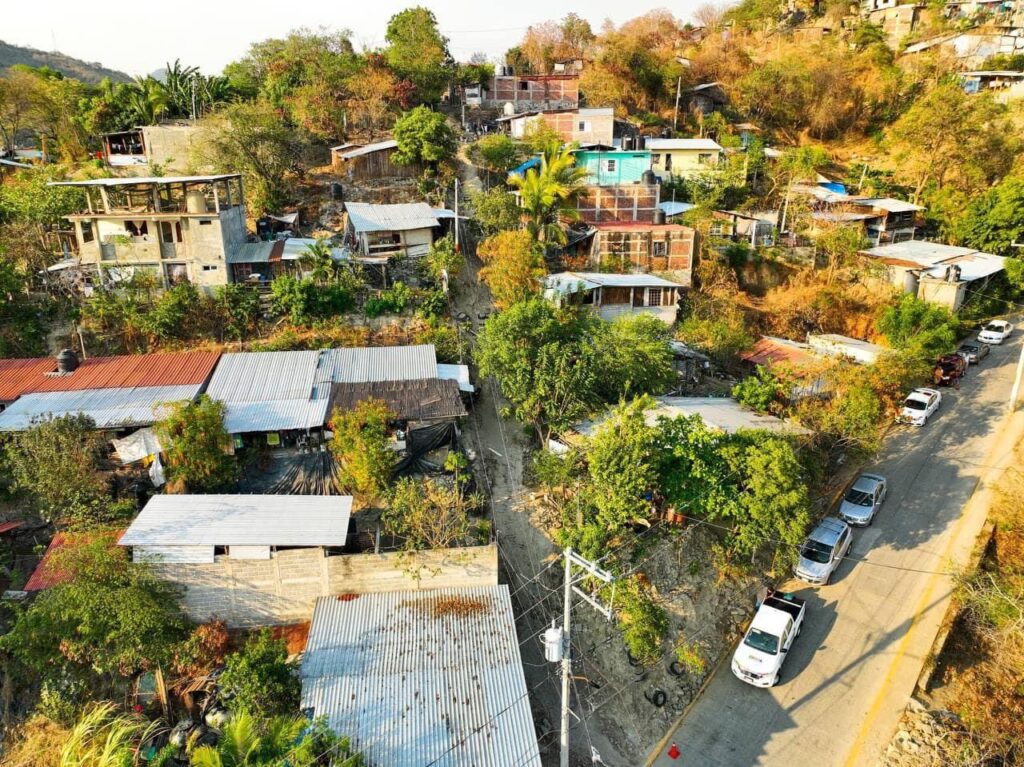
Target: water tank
(509, 109)
(648, 177)
(641, 142)
(554, 648)
(627, 143)
(659, 217)
(67, 361)
(195, 202)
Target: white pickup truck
(758, 659)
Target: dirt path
(523, 549)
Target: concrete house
(139, 149)
(936, 273)
(643, 247)
(683, 157)
(390, 230)
(585, 126)
(612, 167)
(889, 220)
(176, 228)
(534, 92)
(638, 202)
(612, 295)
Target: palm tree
(318, 260)
(180, 83)
(547, 195)
(104, 738)
(149, 100)
(284, 740)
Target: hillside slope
(71, 67)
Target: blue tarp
(533, 162)
(834, 186)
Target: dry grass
(38, 744)
(459, 607)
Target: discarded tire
(657, 698)
(675, 668)
(633, 660)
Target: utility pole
(1016, 381)
(557, 642)
(679, 93)
(457, 216)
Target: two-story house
(683, 157)
(179, 229)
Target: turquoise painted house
(608, 167)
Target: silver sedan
(863, 499)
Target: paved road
(849, 675)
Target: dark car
(949, 369)
(974, 353)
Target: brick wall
(283, 589)
(535, 92)
(618, 204)
(635, 249)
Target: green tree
(442, 259)
(634, 357)
(251, 139)
(418, 52)
(196, 445)
(424, 136)
(513, 267)
(247, 741)
(22, 329)
(696, 479)
(362, 449)
(148, 99)
(55, 464)
(764, 392)
(548, 194)
(259, 680)
(545, 362)
(108, 620)
(495, 211)
(918, 327)
(838, 244)
(623, 467)
(238, 307)
(994, 220)
(429, 514)
(643, 622)
(496, 152)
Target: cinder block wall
(283, 589)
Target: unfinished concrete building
(177, 229)
(140, 149)
(534, 92)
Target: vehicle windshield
(816, 551)
(968, 348)
(915, 404)
(994, 328)
(762, 641)
(859, 498)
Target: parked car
(949, 370)
(759, 657)
(919, 406)
(995, 332)
(823, 550)
(863, 499)
(974, 352)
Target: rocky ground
(925, 738)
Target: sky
(140, 37)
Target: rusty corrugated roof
(18, 377)
(123, 372)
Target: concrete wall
(170, 145)
(613, 168)
(942, 293)
(284, 588)
(666, 314)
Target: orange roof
(19, 377)
(771, 351)
(632, 226)
(46, 575)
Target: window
(654, 296)
(583, 127)
(609, 165)
(660, 248)
(706, 158)
(205, 222)
(668, 162)
(655, 159)
(209, 267)
(523, 85)
(87, 233)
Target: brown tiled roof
(422, 399)
(19, 377)
(768, 351)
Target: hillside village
(370, 407)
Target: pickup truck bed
(788, 604)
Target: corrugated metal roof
(250, 253)
(369, 149)
(422, 677)
(20, 376)
(771, 350)
(662, 144)
(567, 281)
(367, 217)
(109, 408)
(888, 204)
(458, 373)
(425, 399)
(974, 266)
(134, 370)
(921, 252)
(241, 520)
(46, 575)
(382, 363)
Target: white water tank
(509, 109)
(195, 202)
(554, 647)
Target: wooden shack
(372, 161)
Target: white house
(391, 230)
(611, 295)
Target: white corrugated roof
(422, 677)
(367, 217)
(109, 408)
(888, 204)
(241, 520)
(568, 282)
(369, 149)
(973, 266)
(275, 391)
(921, 252)
(662, 144)
(722, 413)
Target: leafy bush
(635, 357)
(495, 211)
(918, 327)
(689, 655)
(643, 622)
(259, 680)
(394, 300)
(303, 301)
(450, 347)
(195, 442)
(442, 259)
(361, 449)
(429, 514)
(763, 392)
(432, 304)
(239, 309)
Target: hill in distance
(87, 72)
